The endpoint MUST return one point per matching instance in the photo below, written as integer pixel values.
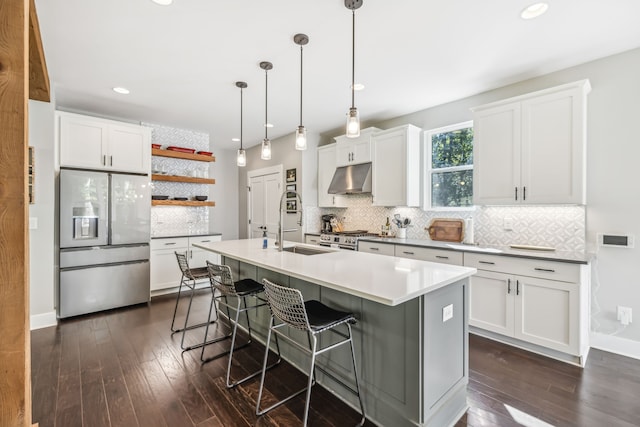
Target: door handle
(104, 160)
(508, 286)
(517, 287)
(110, 160)
(516, 193)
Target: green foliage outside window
(452, 168)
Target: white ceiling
(181, 62)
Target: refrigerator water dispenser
(84, 226)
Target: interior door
(264, 199)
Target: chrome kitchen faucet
(280, 235)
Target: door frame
(260, 172)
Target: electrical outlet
(507, 223)
(447, 312)
(625, 315)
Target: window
(449, 167)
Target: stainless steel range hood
(352, 179)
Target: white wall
(42, 248)
(613, 188)
(223, 218)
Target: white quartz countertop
(384, 279)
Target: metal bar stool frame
(221, 280)
(190, 278)
(289, 307)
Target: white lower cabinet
(312, 239)
(377, 248)
(429, 254)
(165, 272)
(548, 308)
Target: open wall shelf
(180, 155)
(177, 178)
(181, 203)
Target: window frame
(428, 170)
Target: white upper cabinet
(351, 151)
(532, 149)
(326, 169)
(93, 143)
(396, 167)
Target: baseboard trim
(615, 344)
(43, 320)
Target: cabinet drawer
(204, 239)
(376, 248)
(429, 254)
(544, 269)
(179, 243)
(311, 239)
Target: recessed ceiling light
(163, 2)
(121, 90)
(235, 139)
(534, 10)
(269, 125)
(358, 86)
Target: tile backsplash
(179, 220)
(561, 227)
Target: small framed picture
(292, 206)
(290, 189)
(291, 175)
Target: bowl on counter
(201, 198)
(159, 197)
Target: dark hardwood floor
(123, 368)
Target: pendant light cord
(353, 57)
(301, 85)
(266, 97)
(241, 118)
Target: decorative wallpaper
(561, 227)
(179, 220)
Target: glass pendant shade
(241, 159)
(353, 123)
(265, 153)
(301, 138)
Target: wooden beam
(15, 356)
(39, 89)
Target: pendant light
(265, 153)
(301, 132)
(241, 159)
(353, 117)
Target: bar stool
(288, 306)
(190, 278)
(221, 280)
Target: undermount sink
(304, 250)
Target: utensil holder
(402, 233)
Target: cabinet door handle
(548, 270)
(516, 193)
(486, 262)
(517, 287)
(408, 253)
(442, 257)
(508, 286)
(104, 160)
(205, 241)
(524, 193)
(169, 244)
(110, 160)
(374, 249)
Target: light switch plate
(447, 312)
(33, 222)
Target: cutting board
(446, 230)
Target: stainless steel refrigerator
(104, 241)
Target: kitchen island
(411, 338)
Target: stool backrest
(287, 305)
(184, 265)
(221, 278)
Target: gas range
(344, 239)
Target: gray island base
(412, 356)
